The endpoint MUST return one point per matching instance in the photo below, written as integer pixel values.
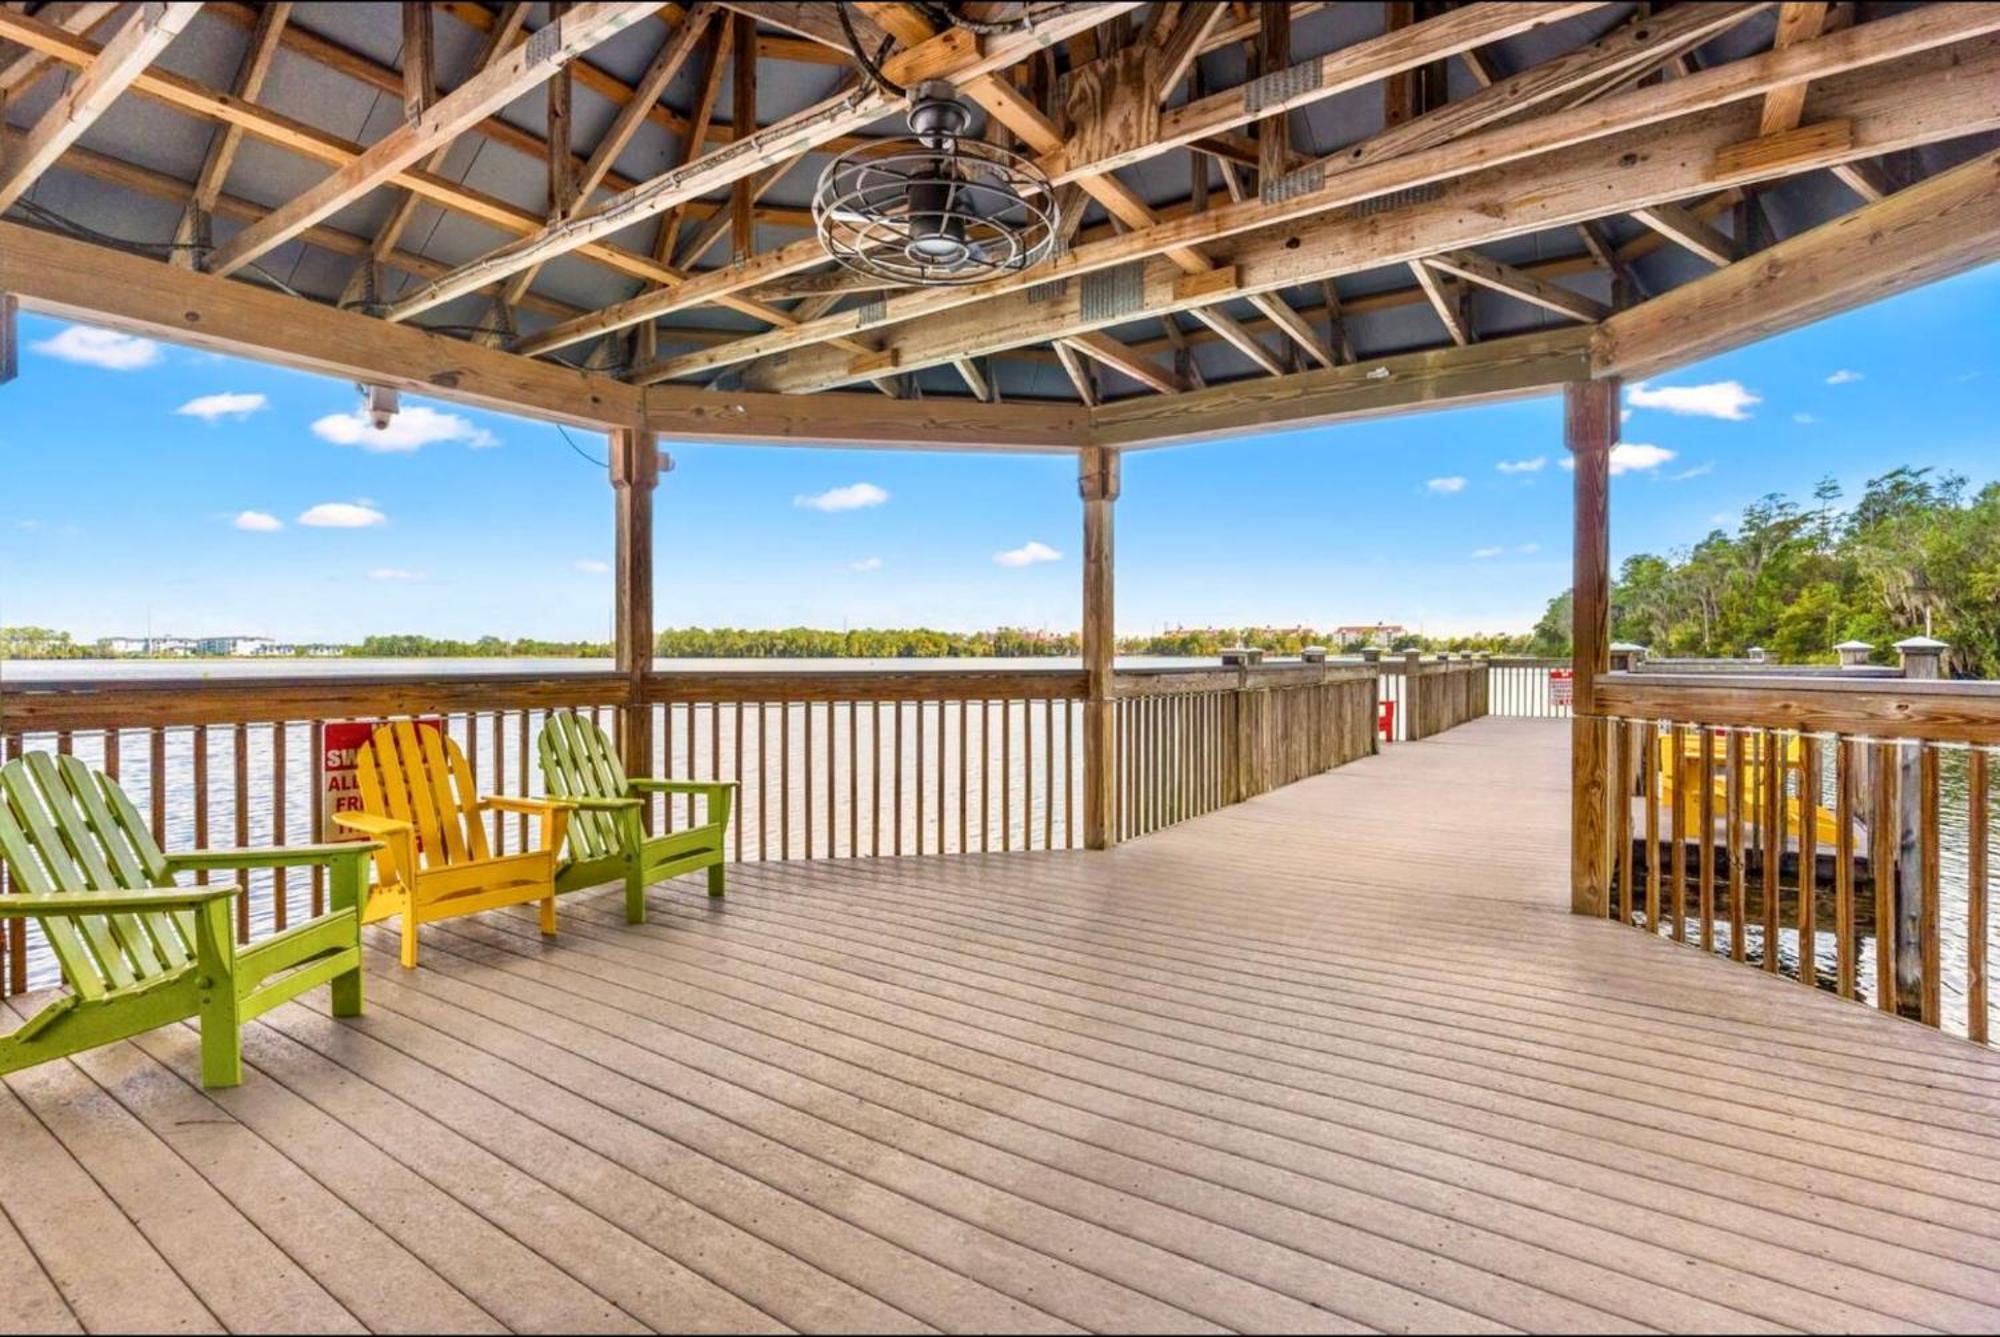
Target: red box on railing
(1385, 720)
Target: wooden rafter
(1783, 106)
(1115, 355)
(1434, 147)
(1079, 373)
(1444, 299)
(952, 57)
(143, 35)
(222, 146)
(1676, 224)
(465, 106)
(1575, 184)
(20, 72)
(1487, 273)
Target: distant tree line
(1798, 578)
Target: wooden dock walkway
(1336, 1059)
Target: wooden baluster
(832, 785)
(964, 708)
(521, 750)
(1070, 834)
(17, 929)
(853, 780)
(1049, 774)
(1843, 865)
(499, 730)
(1028, 773)
(1651, 766)
(1006, 773)
(741, 806)
(1773, 776)
(806, 768)
(923, 709)
(1883, 838)
(1808, 921)
(199, 759)
(1977, 863)
(784, 776)
(1739, 877)
(1929, 1002)
(985, 776)
(280, 811)
(240, 740)
(1677, 768)
(875, 779)
(1624, 780)
(1705, 810)
(896, 790)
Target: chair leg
(221, 1010)
(715, 880)
(409, 953)
(635, 894)
(347, 992)
(549, 915)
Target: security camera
(381, 403)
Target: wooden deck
(1336, 1059)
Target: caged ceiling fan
(937, 208)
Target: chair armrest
(605, 804)
(276, 856)
(510, 803)
(368, 824)
(710, 787)
(66, 904)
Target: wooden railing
(1428, 696)
(829, 764)
(1841, 832)
(1191, 741)
(1518, 687)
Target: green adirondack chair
(138, 952)
(606, 836)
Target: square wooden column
(1590, 430)
(635, 474)
(1097, 482)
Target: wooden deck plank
(1336, 1059)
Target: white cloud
(213, 408)
(1632, 457)
(1804, 419)
(1027, 554)
(1483, 553)
(1718, 399)
(1446, 485)
(258, 522)
(866, 564)
(853, 497)
(1528, 548)
(94, 347)
(590, 566)
(1696, 472)
(1844, 377)
(393, 573)
(342, 515)
(1533, 466)
(413, 428)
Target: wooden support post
(743, 121)
(635, 473)
(1097, 482)
(1915, 837)
(1274, 55)
(1590, 429)
(10, 337)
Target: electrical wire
(581, 454)
(872, 67)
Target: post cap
(1313, 654)
(1921, 645)
(1627, 648)
(1854, 645)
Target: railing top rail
(1934, 710)
(1262, 677)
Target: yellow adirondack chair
(418, 798)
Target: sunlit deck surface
(1334, 1059)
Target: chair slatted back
(418, 775)
(578, 761)
(65, 828)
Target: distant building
(124, 645)
(238, 647)
(1380, 633)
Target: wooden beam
(955, 56)
(635, 476)
(76, 280)
(743, 120)
(863, 421)
(471, 102)
(1078, 371)
(1476, 268)
(1432, 149)
(1919, 99)
(1185, 43)
(1590, 430)
(361, 282)
(1118, 357)
(1274, 55)
(420, 91)
(20, 73)
(1782, 106)
(1677, 225)
(1098, 483)
(1498, 369)
(975, 379)
(1301, 332)
(193, 228)
(1444, 300)
(10, 337)
(143, 35)
(818, 22)
(1938, 227)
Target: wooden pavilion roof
(1278, 213)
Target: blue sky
(145, 485)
